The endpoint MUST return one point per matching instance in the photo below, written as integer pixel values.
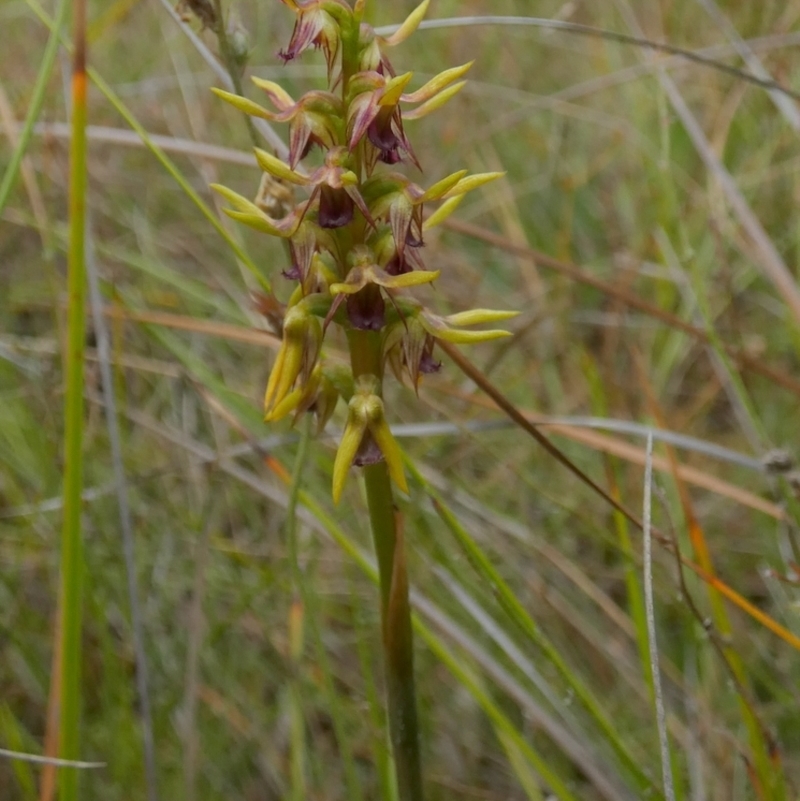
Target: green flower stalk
(356, 243)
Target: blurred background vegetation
(663, 193)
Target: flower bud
(297, 357)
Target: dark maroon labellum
(366, 310)
(335, 207)
(368, 452)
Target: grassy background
(601, 174)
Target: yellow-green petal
(243, 104)
(443, 212)
(473, 182)
(286, 406)
(380, 431)
(478, 316)
(274, 166)
(410, 24)
(459, 337)
(414, 278)
(440, 187)
(437, 101)
(437, 83)
(348, 447)
(280, 96)
(394, 88)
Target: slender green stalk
(35, 103)
(71, 538)
(398, 640)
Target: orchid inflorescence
(355, 240)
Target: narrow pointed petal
(436, 102)
(379, 429)
(437, 84)
(259, 221)
(458, 337)
(443, 212)
(479, 316)
(274, 166)
(351, 439)
(235, 199)
(363, 111)
(276, 93)
(400, 214)
(243, 104)
(405, 279)
(356, 280)
(274, 376)
(393, 90)
(408, 27)
(286, 406)
(438, 190)
(473, 182)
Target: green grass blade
(35, 103)
(523, 620)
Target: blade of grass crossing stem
(162, 157)
(72, 566)
(523, 620)
(450, 660)
(35, 102)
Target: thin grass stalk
(72, 566)
(35, 102)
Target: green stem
(71, 538)
(398, 641)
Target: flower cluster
(356, 238)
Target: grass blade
(35, 103)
